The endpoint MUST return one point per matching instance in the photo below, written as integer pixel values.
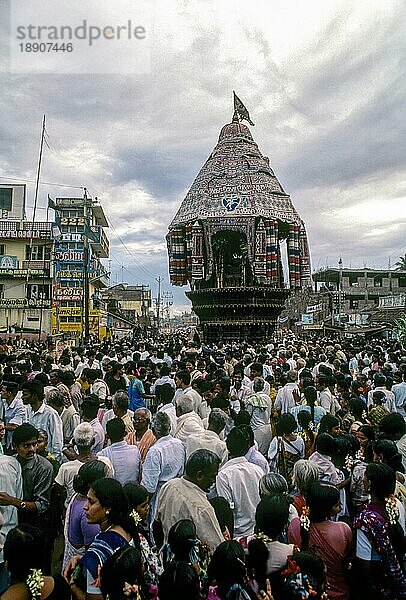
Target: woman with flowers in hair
(184, 546)
(227, 574)
(138, 506)
(267, 551)
(22, 555)
(122, 577)
(380, 538)
(304, 577)
(330, 540)
(106, 506)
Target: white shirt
(195, 396)
(256, 458)
(238, 482)
(162, 381)
(170, 410)
(11, 482)
(99, 436)
(284, 399)
(165, 460)
(48, 419)
(389, 403)
(14, 414)
(67, 472)
(188, 424)
(399, 390)
(110, 414)
(183, 499)
(326, 401)
(100, 389)
(126, 461)
(209, 440)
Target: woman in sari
(380, 538)
(330, 540)
(106, 506)
(79, 534)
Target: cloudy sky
(324, 82)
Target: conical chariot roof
(236, 180)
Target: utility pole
(158, 303)
(340, 288)
(167, 298)
(86, 266)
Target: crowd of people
(173, 470)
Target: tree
(401, 264)
(400, 330)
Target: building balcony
(101, 245)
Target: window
(6, 196)
(36, 291)
(354, 303)
(2, 290)
(2, 249)
(402, 282)
(38, 252)
(353, 280)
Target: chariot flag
(240, 110)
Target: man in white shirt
(285, 398)
(125, 458)
(188, 422)
(379, 384)
(89, 409)
(11, 483)
(238, 482)
(182, 380)
(15, 413)
(239, 393)
(165, 459)
(42, 416)
(119, 409)
(164, 396)
(83, 441)
(163, 379)
(185, 498)
(209, 439)
(399, 390)
(326, 398)
(257, 370)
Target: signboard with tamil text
(24, 303)
(398, 301)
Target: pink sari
(332, 542)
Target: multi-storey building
(128, 308)
(361, 296)
(25, 266)
(79, 276)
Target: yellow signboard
(77, 326)
(72, 311)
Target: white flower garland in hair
(263, 537)
(349, 462)
(135, 517)
(392, 509)
(35, 582)
(304, 518)
(131, 591)
(359, 455)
